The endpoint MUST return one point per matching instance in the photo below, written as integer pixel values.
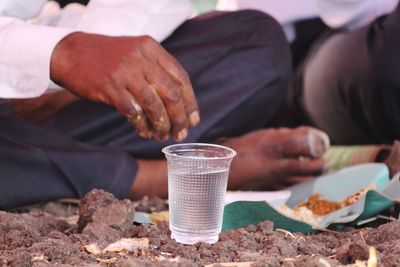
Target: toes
(295, 171)
(314, 167)
(318, 142)
(290, 181)
(305, 141)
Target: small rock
(118, 215)
(265, 227)
(92, 201)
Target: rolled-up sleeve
(25, 53)
(25, 49)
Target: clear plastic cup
(197, 181)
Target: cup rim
(232, 153)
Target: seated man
(347, 84)
(348, 81)
(238, 64)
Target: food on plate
(312, 209)
(320, 206)
(301, 214)
(353, 198)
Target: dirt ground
(54, 235)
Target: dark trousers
(349, 85)
(239, 64)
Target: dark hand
(135, 75)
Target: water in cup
(201, 200)
(197, 181)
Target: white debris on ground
(124, 244)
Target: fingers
(127, 104)
(305, 141)
(138, 118)
(189, 99)
(161, 100)
(155, 113)
(158, 98)
(165, 93)
(168, 90)
(181, 78)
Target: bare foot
(267, 159)
(276, 158)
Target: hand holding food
(136, 75)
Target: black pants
(239, 64)
(349, 86)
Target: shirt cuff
(25, 54)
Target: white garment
(25, 48)
(349, 14)
(284, 11)
(353, 14)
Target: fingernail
(182, 134)
(145, 134)
(165, 138)
(318, 142)
(194, 118)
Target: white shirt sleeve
(25, 50)
(353, 14)
(25, 53)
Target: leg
(350, 84)
(39, 165)
(307, 32)
(239, 71)
(243, 61)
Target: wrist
(62, 58)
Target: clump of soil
(41, 238)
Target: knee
(265, 35)
(263, 29)
(264, 25)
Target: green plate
(335, 187)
